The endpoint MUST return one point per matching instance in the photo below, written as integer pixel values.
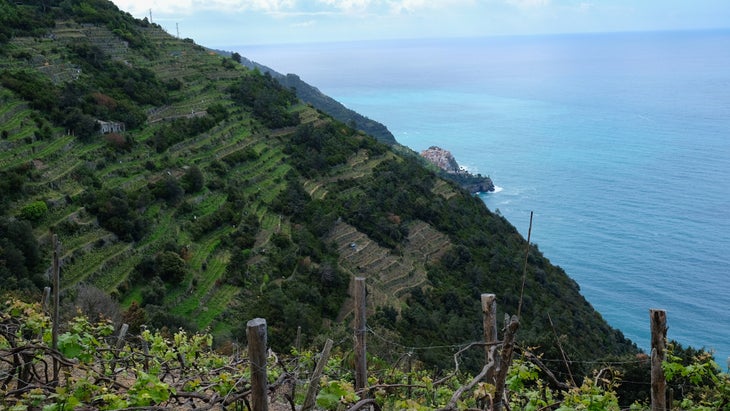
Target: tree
(193, 180)
(169, 190)
(135, 317)
(154, 292)
(170, 267)
(96, 304)
(19, 255)
(83, 125)
(236, 57)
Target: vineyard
(97, 367)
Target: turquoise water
(619, 143)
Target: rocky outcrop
(450, 170)
(478, 184)
(443, 159)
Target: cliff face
(446, 162)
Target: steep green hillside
(311, 95)
(206, 194)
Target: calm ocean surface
(619, 143)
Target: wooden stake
(56, 283)
(256, 336)
(562, 352)
(360, 330)
(122, 334)
(489, 316)
(508, 347)
(146, 352)
(298, 341)
(524, 267)
(658, 319)
(46, 300)
(314, 381)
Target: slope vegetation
(200, 193)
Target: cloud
(529, 4)
(350, 6)
(365, 8)
(355, 8)
(308, 23)
(585, 6)
(138, 7)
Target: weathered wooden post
(489, 312)
(508, 346)
(256, 336)
(658, 320)
(55, 281)
(46, 302)
(298, 341)
(146, 352)
(361, 376)
(56, 284)
(314, 381)
(122, 335)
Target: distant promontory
(450, 169)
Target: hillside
(311, 95)
(196, 192)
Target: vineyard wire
(462, 345)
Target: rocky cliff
(446, 162)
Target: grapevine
(162, 371)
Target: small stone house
(106, 127)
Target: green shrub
(34, 211)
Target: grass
(12, 116)
(194, 300)
(210, 203)
(88, 263)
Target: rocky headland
(450, 169)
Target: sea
(618, 143)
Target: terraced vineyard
(216, 196)
(94, 255)
(390, 276)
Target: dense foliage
(311, 95)
(268, 101)
(37, 17)
(223, 197)
(19, 256)
(334, 108)
(18, 20)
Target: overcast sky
(220, 23)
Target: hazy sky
(220, 23)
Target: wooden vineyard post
(314, 381)
(360, 330)
(658, 320)
(122, 335)
(489, 311)
(56, 285)
(508, 346)
(46, 300)
(256, 336)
